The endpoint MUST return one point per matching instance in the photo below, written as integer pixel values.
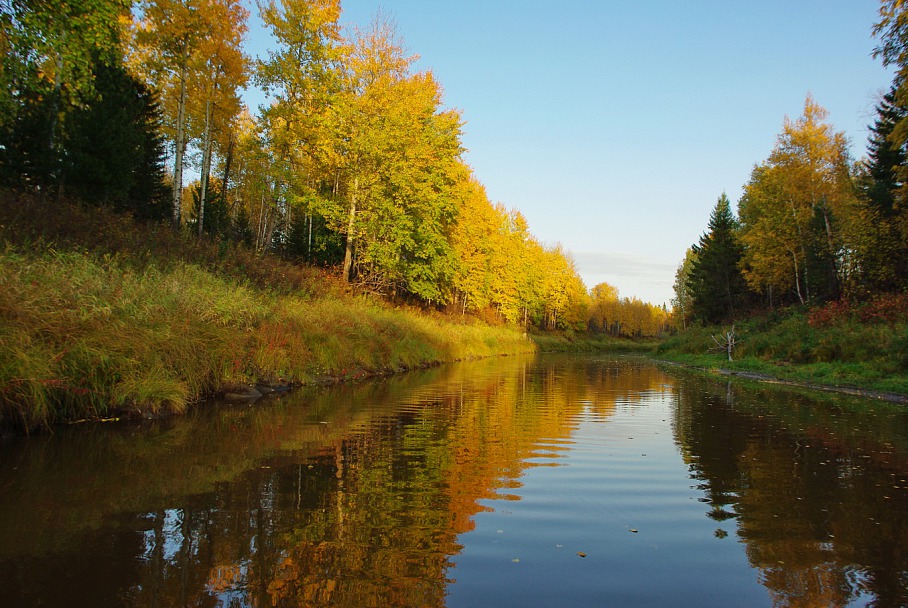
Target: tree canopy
(355, 162)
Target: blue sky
(614, 126)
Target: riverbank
(861, 349)
(560, 342)
(770, 379)
(102, 317)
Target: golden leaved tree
(191, 52)
(798, 211)
(399, 167)
(303, 75)
(220, 69)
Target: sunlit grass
(85, 335)
(552, 342)
(847, 352)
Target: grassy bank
(864, 346)
(120, 322)
(582, 343)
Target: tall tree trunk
(228, 161)
(58, 165)
(794, 258)
(270, 225)
(830, 243)
(259, 230)
(206, 166)
(348, 253)
(180, 144)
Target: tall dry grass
(113, 317)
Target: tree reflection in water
(361, 495)
(818, 486)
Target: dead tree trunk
(726, 343)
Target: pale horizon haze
(615, 126)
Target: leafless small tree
(727, 342)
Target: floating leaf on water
(581, 554)
(634, 530)
(516, 560)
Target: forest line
(814, 226)
(355, 163)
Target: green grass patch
(556, 342)
(849, 351)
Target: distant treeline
(813, 226)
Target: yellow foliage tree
(798, 211)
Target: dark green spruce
(717, 286)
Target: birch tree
(799, 211)
(302, 75)
(220, 69)
(168, 36)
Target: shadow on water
(383, 493)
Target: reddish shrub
(829, 314)
(885, 308)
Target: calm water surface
(547, 481)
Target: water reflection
(391, 494)
(818, 489)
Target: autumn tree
(475, 237)
(249, 182)
(395, 155)
(303, 76)
(502, 267)
(565, 297)
(717, 288)
(628, 317)
(683, 302)
(167, 35)
(220, 68)
(520, 267)
(603, 307)
(191, 51)
(799, 212)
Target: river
(521, 481)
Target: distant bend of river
(522, 481)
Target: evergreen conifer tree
(114, 153)
(718, 289)
(884, 258)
